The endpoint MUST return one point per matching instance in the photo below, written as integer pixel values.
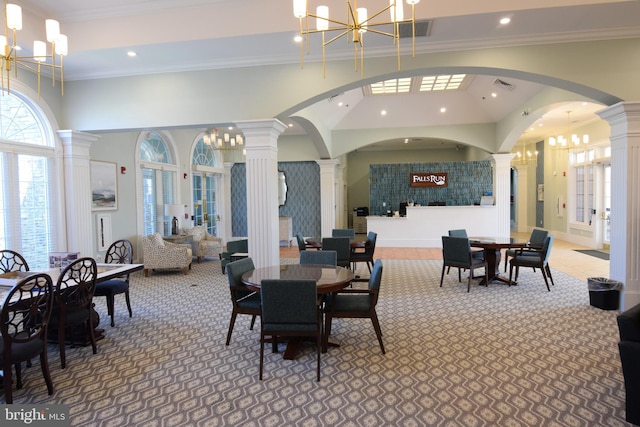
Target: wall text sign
(426, 179)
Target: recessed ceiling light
(494, 95)
(505, 20)
(340, 104)
(131, 54)
(290, 125)
(383, 112)
(443, 110)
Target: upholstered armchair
(204, 244)
(160, 254)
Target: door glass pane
(212, 213)
(149, 201)
(607, 204)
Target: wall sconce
(123, 170)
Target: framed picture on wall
(104, 186)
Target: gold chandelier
(560, 142)
(10, 48)
(524, 155)
(358, 22)
(224, 141)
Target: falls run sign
(427, 179)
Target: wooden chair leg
(231, 323)
(128, 301)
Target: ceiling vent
(423, 28)
(504, 85)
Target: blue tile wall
(468, 182)
(303, 197)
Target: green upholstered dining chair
(344, 232)
(23, 326)
(356, 303)
(243, 300)
(461, 232)
(290, 308)
(342, 246)
(119, 252)
(302, 245)
(233, 247)
(12, 261)
(74, 302)
(456, 252)
(536, 240)
(534, 258)
(319, 257)
(365, 256)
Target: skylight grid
(441, 82)
(391, 86)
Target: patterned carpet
(496, 356)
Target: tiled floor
(563, 258)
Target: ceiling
(168, 36)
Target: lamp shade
(175, 210)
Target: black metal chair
(74, 304)
(23, 324)
(12, 261)
(290, 308)
(356, 303)
(536, 240)
(342, 246)
(120, 252)
(456, 252)
(534, 258)
(319, 257)
(243, 300)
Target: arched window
(159, 181)
(205, 181)
(29, 196)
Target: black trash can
(604, 293)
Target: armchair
(629, 348)
(203, 243)
(233, 247)
(160, 254)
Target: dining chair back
(356, 303)
(73, 305)
(458, 233)
(290, 308)
(119, 252)
(12, 261)
(456, 252)
(23, 325)
(344, 232)
(536, 240)
(319, 257)
(243, 300)
(342, 246)
(534, 258)
(302, 245)
(365, 256)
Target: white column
(341, 198)
(501, 192)
(327, 195)
(624, 119)
(77, 190)
(261, 141)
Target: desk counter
(424, 226)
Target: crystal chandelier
(358, 22)
(560, 141)
(40, 58)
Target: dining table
(316, 243)
(105, 271)
(328, 279)
(492, 248)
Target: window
(159, 182)
(27, 190)
(583, 182)
(205, 180)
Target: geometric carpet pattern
(496, 356)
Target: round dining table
(492, 247)
(328, 279)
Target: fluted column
(226, 232)
(624, 120)
(522, 199)
(502, 182)
(77, 190)
(327, 195)
(261, 142)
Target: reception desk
(424, 226)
